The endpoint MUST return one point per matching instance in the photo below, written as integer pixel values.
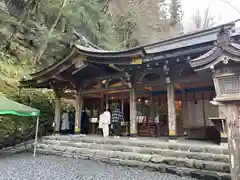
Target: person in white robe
(104, 121)
(65, 123)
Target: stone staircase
(195, 159)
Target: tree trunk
(45, 43)
(22, 19)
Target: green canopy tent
(9, 107)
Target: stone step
(146, 158)
(162, 168)
(158, 144)
(143, 150)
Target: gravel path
(26, 167)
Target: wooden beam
(79, 69)
(68, 95)
(111, 76)
(107, 77)
(66, 79)
(92, 91)
(116, 68)
(177, 80)
(160, 83)
(95, 67)
(79, 63)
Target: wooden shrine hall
(160, 93)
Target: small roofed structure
(161, 76)
(9, 107)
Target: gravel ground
(26, 167)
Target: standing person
(110, 124)
(104, 121)
(71, 117)
(54, 127)
(84, 122)
(116, 122)
(65, 123)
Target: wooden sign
(136, 61)
(79, 61)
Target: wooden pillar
(57, 114)
(171, 111)
(232, 110)
(78, 108)
(151, 106)
(122, 106)
(102, 102)
(222, 115)
(133, 112)
(203, 111)
(106, 96)
(185, 112)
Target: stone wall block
(101, 154)
(215, 150)
(198, 165)
(221, 158)
(128, 163)
(149, 151)
(92, 146)
(145, 157)
(173, 146)
(157, 159)
(130, 149)
(197, 149)
(170, 161)
(161, 168)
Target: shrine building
(163, 89)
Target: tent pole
(36, 137)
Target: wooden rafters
(79, 69)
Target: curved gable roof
(188, 40)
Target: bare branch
(230, 4)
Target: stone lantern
(222, 62)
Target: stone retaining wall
(203, 161)
(143, 162)
(144, 150)
(203, 148)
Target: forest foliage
(42, 31)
